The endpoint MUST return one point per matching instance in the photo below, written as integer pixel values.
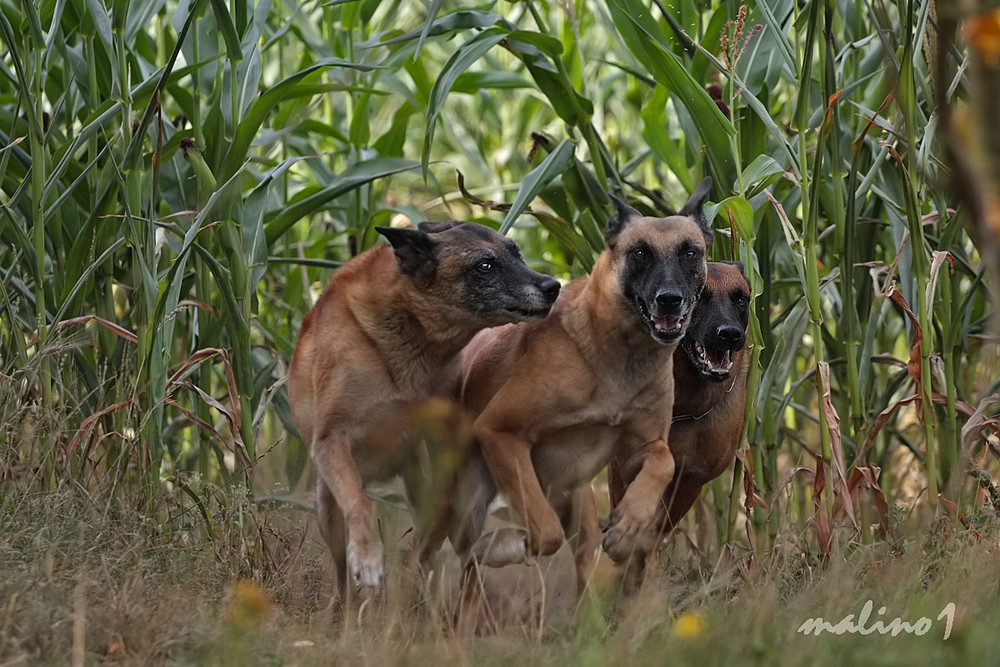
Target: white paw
(365, 561)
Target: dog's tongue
(667, 322)
(719, 360)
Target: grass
(89, 581)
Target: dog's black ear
(623, 213)
(414, 249)
(739, 265)
(695, 209)
(432, 227)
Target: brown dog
(710, 370)
(381, 339)
(554, 400)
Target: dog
(554, 400)
(710, 372)
(383, 338)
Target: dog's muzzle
(666, 327)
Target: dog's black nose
(549, 287)
(669, 300)
(730, 336)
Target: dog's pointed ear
(694, 208)
(433, 227)
(623, 213)
(414, 249)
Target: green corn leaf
(569, 237)
(751, 100)
(102, 24)
(432, 13)
(225, 22)
(454, 22)
(540, 55)
(263, 105)
(132, 152)
(649, 45)
(787, 50)
(352, 178)
(759, 174)
(553, 165)
(34, 22)
(655, 132)
(360, 128)
(473, 82)
(547, 44)
(255, 246)
(460, 60)
(741, 212)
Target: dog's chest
(616, 401)
(581, 442)
(572, 456)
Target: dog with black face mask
(710, 373)
(555, 400)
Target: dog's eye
(691, 253)
(639, 253)
(485, 265)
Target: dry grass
(87, 582)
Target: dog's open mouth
(665, 328)
(530, 313)
(715, 363)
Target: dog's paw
(365, 562)
(545, 538)
(623, 536)
(505, 546)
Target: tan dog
(383, 336)
(554, 400)
(710, 370)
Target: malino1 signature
(920, 627)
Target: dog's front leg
(509, 459)
(335, 465)
(633, 516)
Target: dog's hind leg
(578, 513)
(677, 500)
(469, 503)
(428, 500)
(334, 531)
(496, 549)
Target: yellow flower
(248, 605)
(689, 625)
(983, 32)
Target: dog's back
(336, 363)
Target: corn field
(179, 179)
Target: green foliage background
(178, 179)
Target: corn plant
(179, 177)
